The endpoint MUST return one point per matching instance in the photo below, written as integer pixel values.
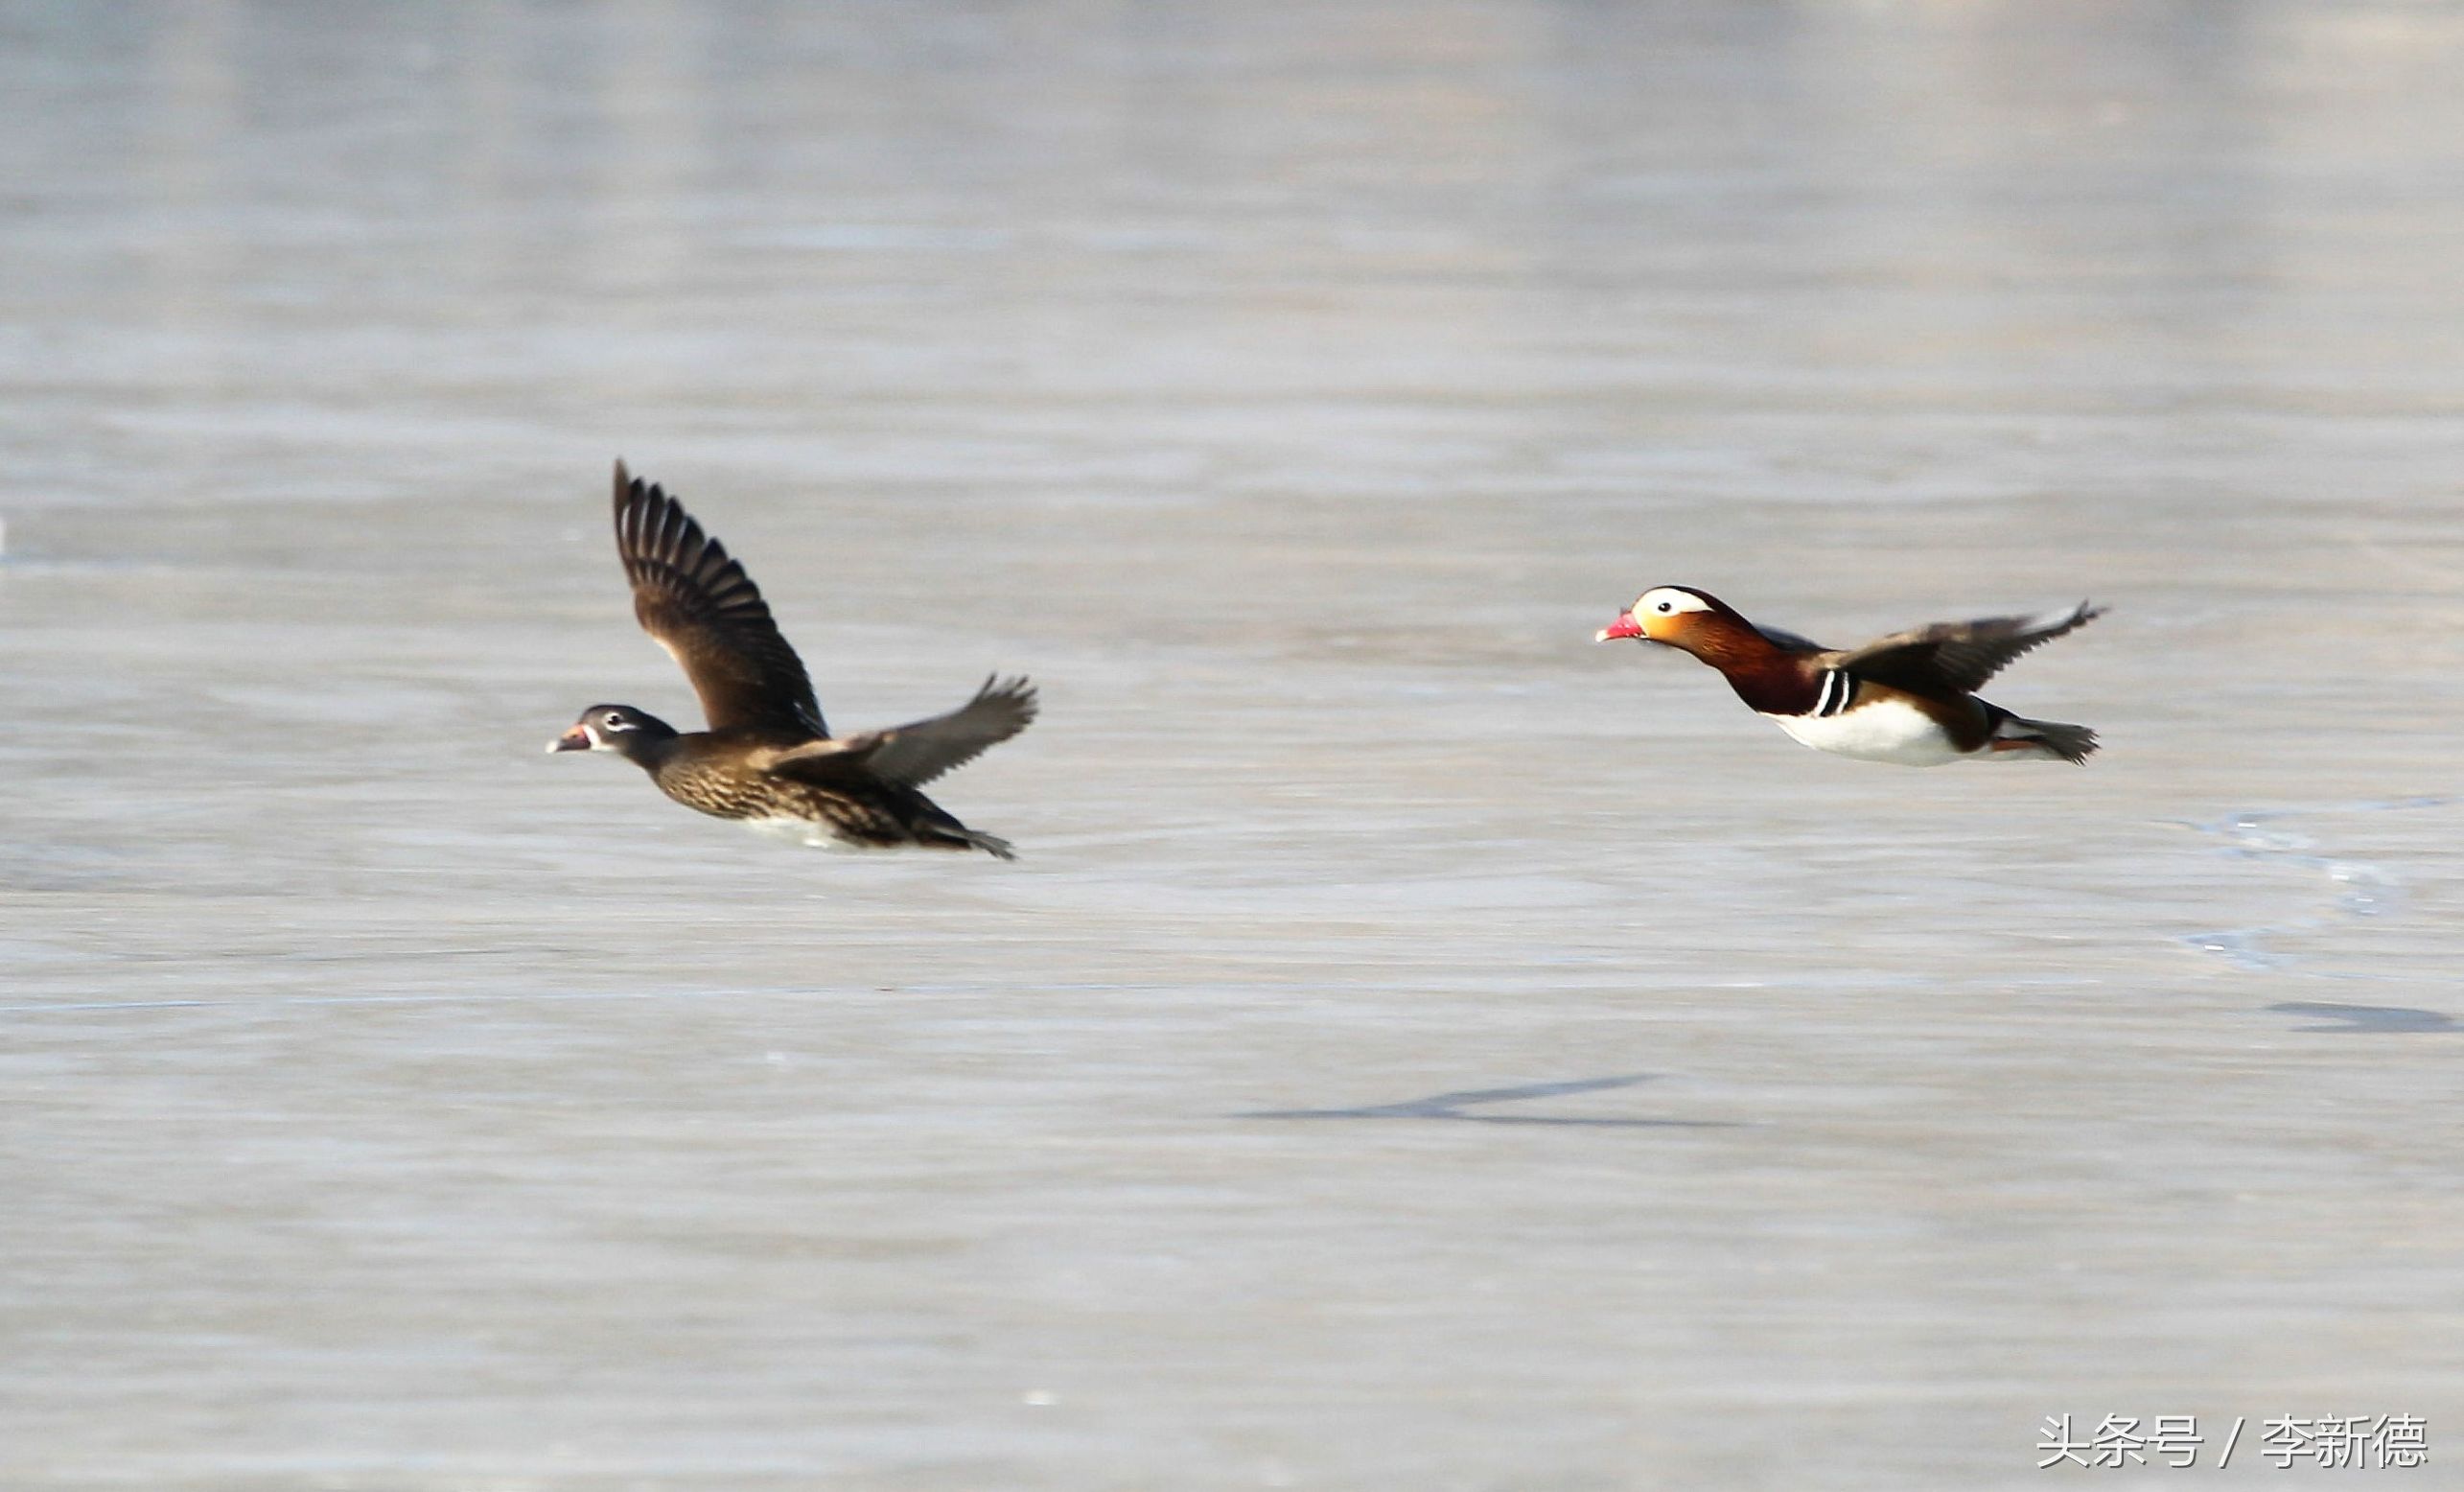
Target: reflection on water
(1452, 1106)
(1289, 389)
(2368, 1018)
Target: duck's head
(617, 728)
(1673, 615)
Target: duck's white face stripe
(1667, 601)
(616, 723)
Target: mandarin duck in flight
(1909, 698)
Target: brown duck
(1909, 698)
(767, 758)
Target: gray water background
(1291, 389)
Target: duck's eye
(1667, 606)
(616, 723)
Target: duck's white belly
(801, 831)
(1886, 729)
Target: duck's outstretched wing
(914, 754)
(699, 604)
(1958, 656)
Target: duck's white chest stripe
(1839, 690)
(1880, 729)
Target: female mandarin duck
(767, 758)
(1909, 698)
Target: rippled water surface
(1418, 1049)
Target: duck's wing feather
(1958, 657)
(699, 604)
(914, 754)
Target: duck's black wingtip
(1017, 687)
(626, 487)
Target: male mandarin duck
(767, 758)
(1909, 698)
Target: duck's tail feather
(954, 835)
(992, 844)
(2017, 738)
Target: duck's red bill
(1625, 626)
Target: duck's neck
(1769, 678)
(648, 749)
